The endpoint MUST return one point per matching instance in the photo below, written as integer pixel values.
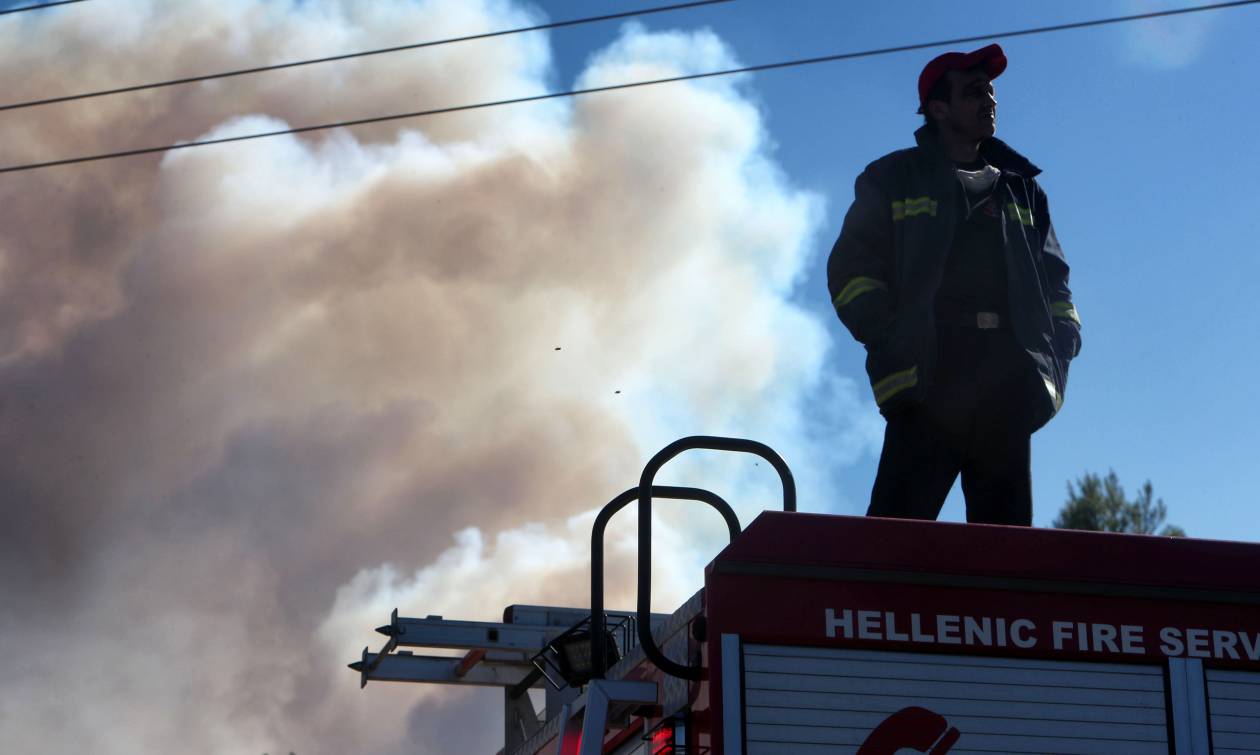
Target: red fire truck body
(835, 634)
(822, 628)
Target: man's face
(972, 110)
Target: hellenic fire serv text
(1066, 636)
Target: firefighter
(948, 272)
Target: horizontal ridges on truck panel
(800, 699)
(899, 545)
(1235, 710)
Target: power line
(25, 8)
(362, 54)
(630, 85)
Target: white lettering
(1197, 643)
(1022, 625)
(1105, 634)
(845, 622)
(1063, 635)
(891, 620)
(1171, 637)
(1060, 631)
(1251, 646)
(1131, 639)
(978, 632)
(917, 632)
(1224, 642)
(868, 625)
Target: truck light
(669, 737)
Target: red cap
(990, 56)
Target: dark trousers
(974, 421)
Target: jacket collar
(997, 152)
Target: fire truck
(835, 634)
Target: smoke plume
(254, 396)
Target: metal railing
(599, 639)
(646, 491)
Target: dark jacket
(886, 267)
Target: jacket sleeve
(860, 265)
(1067, 322)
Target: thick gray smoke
(252, 397)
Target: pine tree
(1099, 504)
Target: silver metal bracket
(604, 699)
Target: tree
(1099, 504)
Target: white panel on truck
(1234, 702)
(804, 700)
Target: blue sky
(1145, 132)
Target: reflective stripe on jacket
(886, 266)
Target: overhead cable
(361, 54)
(629, 85)
(41, 6)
